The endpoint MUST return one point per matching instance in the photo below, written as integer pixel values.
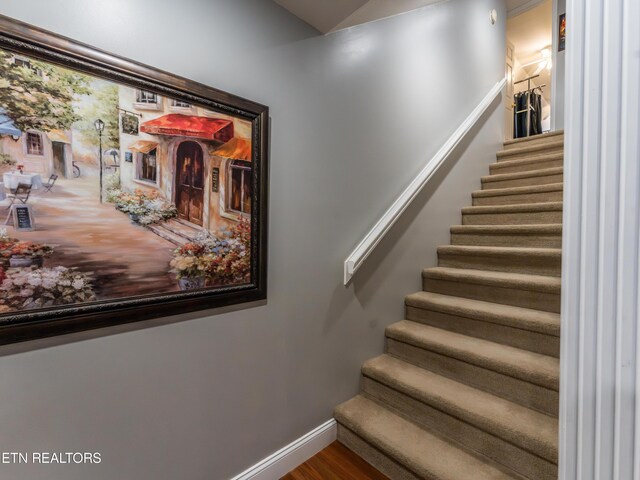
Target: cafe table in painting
(12, 180)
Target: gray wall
(354, 116)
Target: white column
(600, 355)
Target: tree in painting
(39, 96)
(103, 105)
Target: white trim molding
(357, 257)
(600, 352)
(296, 453)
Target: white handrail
(355, 260)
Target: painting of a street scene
(132, 193)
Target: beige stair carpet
(468, 387)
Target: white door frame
(600, 353)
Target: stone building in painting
(197, 159)
(43, 153)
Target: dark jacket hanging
(520, 127)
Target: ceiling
(516, 7)
(331, 15)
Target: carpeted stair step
(533, 261)
(531, 150)
(544, 176)
(518, 195)
(528, 378)
(534, 140)
(402, 450)
(519, 438)
(527, 291)
(519, 214)
(551, 160)
(549, 236)
(524, 328)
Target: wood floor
(336, 462)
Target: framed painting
(114, 160)
(562, 32)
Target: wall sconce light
(493, 16)
(15, 138)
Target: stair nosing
(503, 177)
(520, 318)
(530, 149)
(543, 157)
(475, 415)
(524, 140)
(526, 228)
(494, 362)
(485, 250)
(526, 189)
(519, 281)
(409, 460)
(514, 208)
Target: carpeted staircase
(468, 386)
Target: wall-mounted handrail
(357, 257)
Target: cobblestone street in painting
(126, 259)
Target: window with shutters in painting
(147, 167)
(146, 100)
(34, 144)
(239, 187)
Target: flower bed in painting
(28, 288)
(11, 248)
(217, 259)
(145, 208)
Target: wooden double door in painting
(59, 165)
(190, 182)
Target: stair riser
(532, 265)
(494, 332)
(500, 167)
(545, 301)
(388, 466)
(510, 388)
(522, 182)
(541, 197)
(513, 218)
(535, 142)
(539, 151)
(495, 240)
(433, 418)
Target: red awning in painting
(236, 149)
(190, 126)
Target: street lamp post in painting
(99, 124)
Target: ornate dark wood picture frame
(131, 223)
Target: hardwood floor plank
(336, 462)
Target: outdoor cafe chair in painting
(20, 193)
(49, 185)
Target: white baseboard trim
(289, 457)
